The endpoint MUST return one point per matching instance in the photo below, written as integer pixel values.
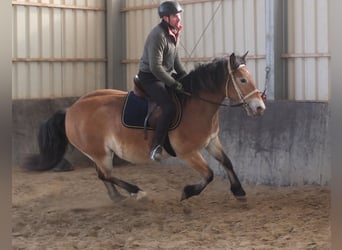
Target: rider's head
(169, 12)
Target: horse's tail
(52, 142)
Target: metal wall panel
(59, 45)
(58, 48)
(308, 50)
(211, 29)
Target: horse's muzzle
(255, 107)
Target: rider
(158, 65)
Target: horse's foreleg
(112, 191)
(215, 149)
(197, 161)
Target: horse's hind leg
(104, 172)
(113, 193)
(215, 149)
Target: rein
(203, 99)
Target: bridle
(242, 98)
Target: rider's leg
(162, 127)
(158, 93)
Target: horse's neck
(200, 118)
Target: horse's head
(241, 87)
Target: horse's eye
(243, 80)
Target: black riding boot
(161, 132)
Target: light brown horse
(93, 124)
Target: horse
(93, 124)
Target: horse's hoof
(63, 166)
(184, 196)
(117, 198)
(238, 191)
(241, 198)
(191, 190)
(140, 195)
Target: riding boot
(159, 138)
(158, 141)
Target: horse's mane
(209, 76)
(206, 76)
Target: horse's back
(97, 99)
(96, 102)
(103, 93)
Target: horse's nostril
(260, 109)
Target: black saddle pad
(134, 111)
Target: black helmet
(169, 8)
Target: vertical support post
(335, 124)
(116, 40)
(270, 47)
(276, 45)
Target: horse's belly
(130, 145)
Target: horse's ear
(244, 56)
(232, 60)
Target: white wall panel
(308, 51)
(58, 48)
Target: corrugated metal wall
(308, 50)
(211, 29)
(58, 48)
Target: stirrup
(156, 153)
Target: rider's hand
(178, 86)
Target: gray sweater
(160, 56)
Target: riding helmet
(168, 8)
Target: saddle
(140, 112)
